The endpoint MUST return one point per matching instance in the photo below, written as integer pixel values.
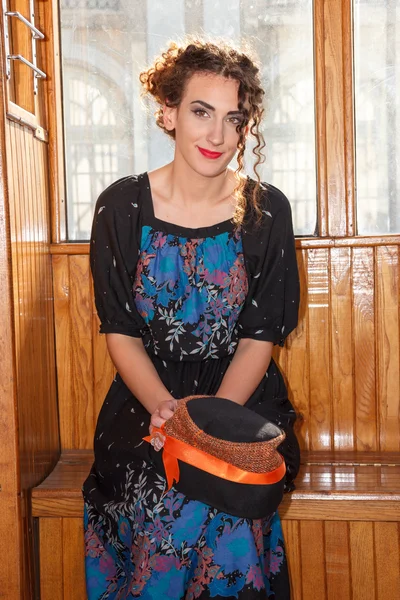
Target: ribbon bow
(174, 449)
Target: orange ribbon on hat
(174, 449)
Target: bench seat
(363, 486)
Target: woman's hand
(163, 412)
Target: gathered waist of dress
(178, 357)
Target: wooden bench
(341, 526)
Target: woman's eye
(236, 120)
(200, 112)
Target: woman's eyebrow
(231, 112)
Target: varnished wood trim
(70, 249)
(381, 240)
(337, 560)
(313, 561)
(73, 562)
(23, 117)
(51, 559)
(334, 117)
(386, 544)
(324, 492)
(10, 506)
(320, 118)
(339, 508)
(387, 286)
(301, 506)
(348, 116)
(48, 21)
(363, 572)
(351, 242)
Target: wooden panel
(51, 558)
(388, 359)
(37, 434)
(297, 362)
(337, 561)
(34, 322)
(334, 117)
(348, 116)
(50, 111)
(320, 556)
(61, 286)
(291, 533)
(362, 561)
(78, 410)
(313, 560)
(62, 559)
(73, 562)
(103, 368)
(320, 118)
(9, 481)
(319, 350)
(363, 294)
(387, 562)
(346, 342)
(342, 350)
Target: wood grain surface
(32, 404)
(341, 363)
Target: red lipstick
(209, 154)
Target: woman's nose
(216, 134)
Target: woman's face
(205, 123)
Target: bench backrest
(342, 368)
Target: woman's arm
(248, 367)
(137, 371)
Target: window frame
(334, 130)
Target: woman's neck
(182, 196)
(185, 187)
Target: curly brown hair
(166, 81)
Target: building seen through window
(109, 130)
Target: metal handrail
(38, 72)
(36, 33)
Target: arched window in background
(105, 44)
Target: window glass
(377, 109)
(110, 134)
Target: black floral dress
(190, 294)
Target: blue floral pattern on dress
(159, 544)
(192, 290)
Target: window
(377, 110)
(108, 132)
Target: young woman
(195, 280)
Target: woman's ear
(169, 117)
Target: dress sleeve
(270, 312)
(114, 249)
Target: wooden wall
(341, 363)
(349, 560)
(327, 560)
(29, 432)
(37, 433)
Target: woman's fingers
(164, 411)
(156, 420)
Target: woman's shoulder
(271, 200)
(121, 195)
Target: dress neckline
(174, 228)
